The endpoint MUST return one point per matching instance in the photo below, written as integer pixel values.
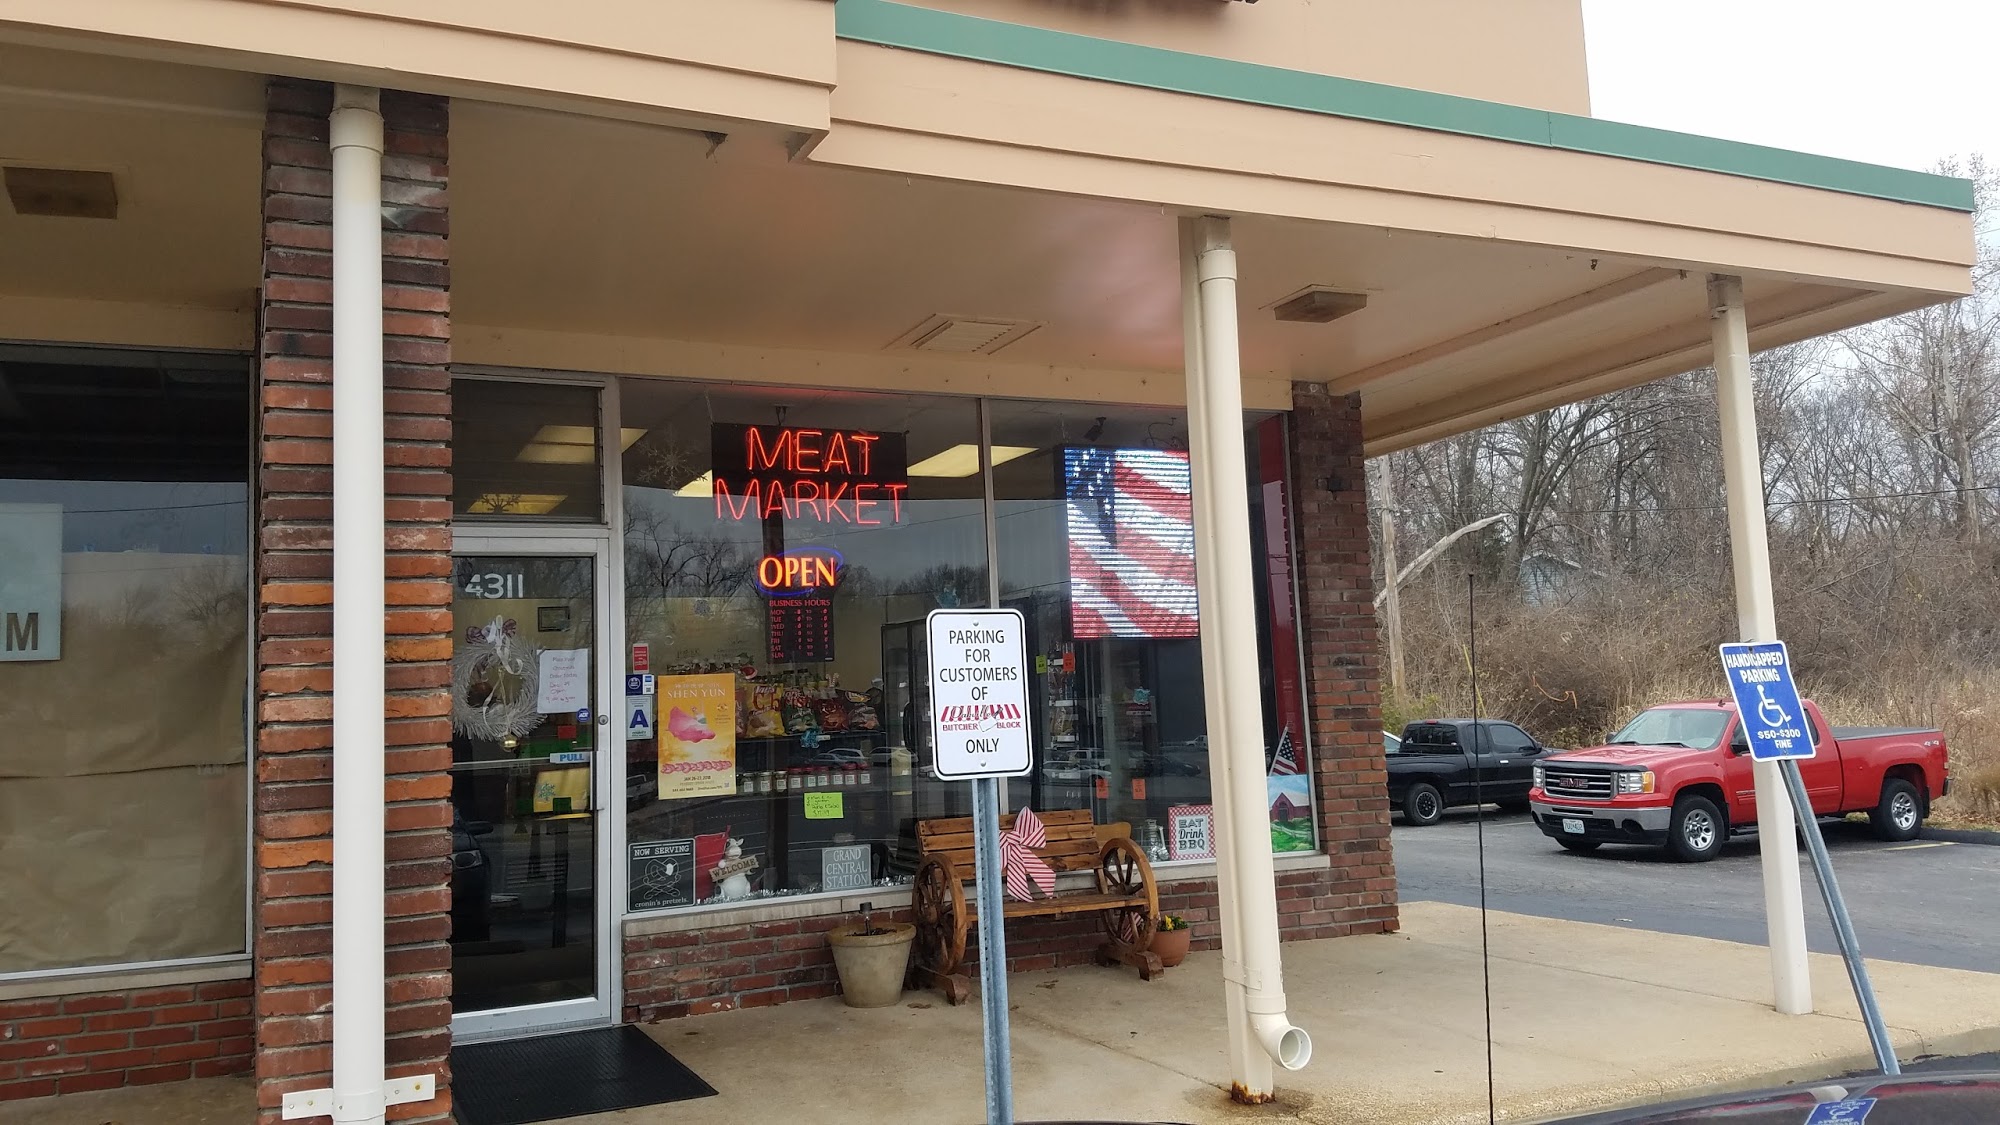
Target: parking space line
(1914, 847)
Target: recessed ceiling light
(570, 445)
(703, 485)
(515, 504)
(557, 453)
(963, 460)
(62, 193)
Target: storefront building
(718, 345)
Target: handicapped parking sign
(1848, 1112)
(1774, 718)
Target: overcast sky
(1900, 82)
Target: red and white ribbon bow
(1024, 869)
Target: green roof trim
(889, 24)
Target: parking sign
(979, 693)
(1774, 719)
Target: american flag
(1285, 759)
(1131, 542)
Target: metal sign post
(1843, 925)
(1774, 723)
(979, 733)
(992, 953)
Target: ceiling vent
(62, 193)
(964, 335)
(1317, 304)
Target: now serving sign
(979, 693)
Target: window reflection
(123, 587)
(787, 544)
(1096, 541)
(526, 451)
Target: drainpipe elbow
(1289, 1046)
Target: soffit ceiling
(182, 144)
(739, 244)
(587, 226)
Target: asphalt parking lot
(1928, 902)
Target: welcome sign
(30, 582)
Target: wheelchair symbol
(1768, 711)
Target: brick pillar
(292, 939)
(1343, 677)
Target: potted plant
(872, 958)
(1171, 941)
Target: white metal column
(1259, 1030)
(1757, 620)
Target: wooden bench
(1126, 899)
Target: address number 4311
(495, 585)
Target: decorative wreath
(493, 682)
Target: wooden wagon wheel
(937, 905)
(1122, 869)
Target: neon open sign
(831, 475)
(800, 571)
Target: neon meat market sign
(830, 475)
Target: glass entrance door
(531, 760)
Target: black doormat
(550, 1077)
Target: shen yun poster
(697, 731)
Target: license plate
(1573, 827)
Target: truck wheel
(1423, 804)
(1696, 831)
(1900, 815)
(1580, 847)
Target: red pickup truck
(1679, 775)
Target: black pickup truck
(1446, 762)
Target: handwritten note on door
(564, 684)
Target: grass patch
(1294, 837)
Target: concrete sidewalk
(1584, 1016)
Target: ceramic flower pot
(1171, 946)
(871, 964)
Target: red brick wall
(695, 972)
(65, 1045)
(293, 846)
(1343, 679)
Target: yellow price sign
(825, 806)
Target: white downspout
(1757, 620)
(1224, 575)
(1246, 1066)
(359, 640)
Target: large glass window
(1095, 524)
(123, 598)
(782, 548)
